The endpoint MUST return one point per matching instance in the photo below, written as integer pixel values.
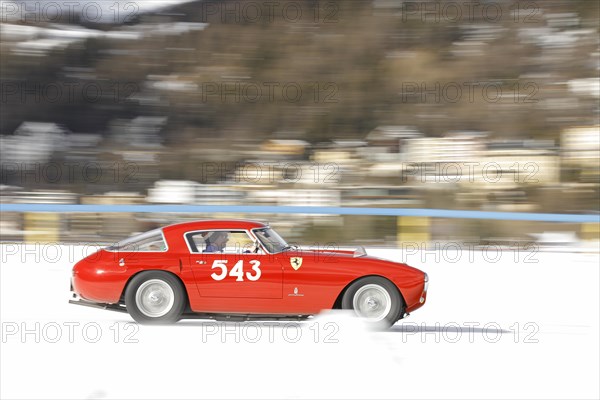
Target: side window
(224, 242)
(154, 243)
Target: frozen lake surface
(495, 325)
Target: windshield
(148, 241)
(271, 240)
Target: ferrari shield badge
(296, 262)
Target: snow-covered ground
(496, 325)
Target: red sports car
(233, 269)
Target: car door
(236, 270)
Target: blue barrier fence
(397, 212)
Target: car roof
(215, 224)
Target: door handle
(200, 262)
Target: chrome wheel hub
(155, 298)
(372, 302)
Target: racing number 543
(237, 270)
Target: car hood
(352, 258)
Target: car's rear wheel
(155, 297)
(375, 299)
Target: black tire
(378, 285)
(149, 300)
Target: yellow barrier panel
(590, 231)
(413, 229)
(42, 227)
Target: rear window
(148, 241)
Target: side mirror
(360, 252)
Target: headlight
(425, 286)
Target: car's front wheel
(155, 297)
(375, 299)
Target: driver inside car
(216, 242)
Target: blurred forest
(353, 60)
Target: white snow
(513, 328)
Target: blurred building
(171, 106)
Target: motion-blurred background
(489, 105)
